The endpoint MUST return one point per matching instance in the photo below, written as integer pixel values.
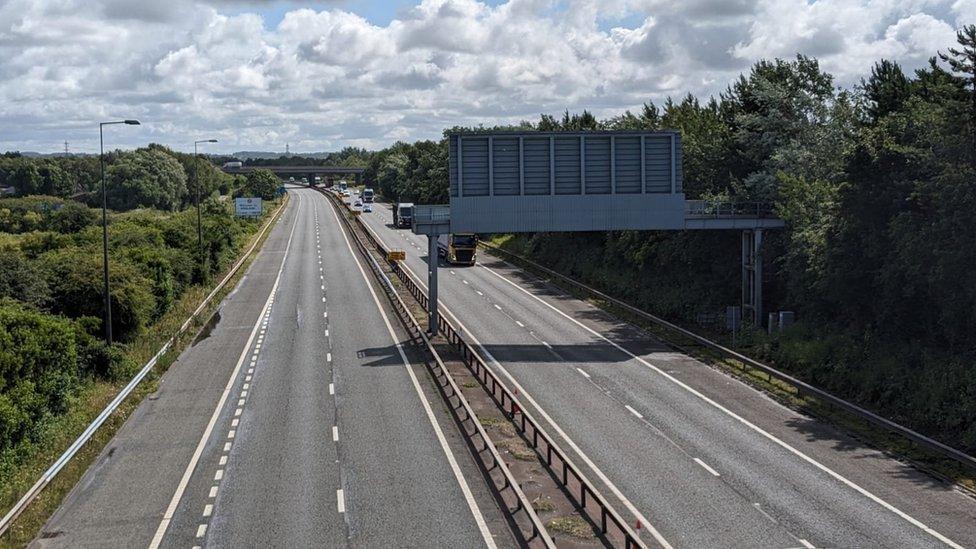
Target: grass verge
(60, 432)
(574, 526)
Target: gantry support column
(432, 261)
(752, 295)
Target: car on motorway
(358, 204)
(367, 207)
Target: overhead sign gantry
(511, 182)
(565, 181)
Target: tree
(203, 178)
(55, 181)
(148, 178)
(886, 90)
(426, 172)
(964, 61)
(262, 184)
(26, 179)
(768, 110)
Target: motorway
(697, 457)
(298, 420)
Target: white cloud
(322, 79)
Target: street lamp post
(101, 161)
(196, 181)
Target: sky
(319, 76)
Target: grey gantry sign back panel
(565, 181)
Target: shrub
(22, 280)
(75, 279)
(38, 368)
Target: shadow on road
(381, 356)
(819, 431)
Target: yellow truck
(458, 249)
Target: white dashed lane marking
(340, 501)
(633, 411)
(706, 467)
(586, 375)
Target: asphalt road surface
(296, 422)
(699, 458)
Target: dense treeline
(51, 301)
(877, 186)
(411, 172)
(150, 177)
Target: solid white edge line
(188, 472)
(706, 467)
(465, 489)
(579, 452)
(911, 520)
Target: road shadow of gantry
(380, 356)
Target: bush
(107, 361)
(23, 280)
(75, 279)
(44, 213)
(38, 368)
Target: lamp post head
(132, 122)
(211, 141)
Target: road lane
(333, 446)
(758, 477)
(120, 500)
(324, 436)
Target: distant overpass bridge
(310, 172)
